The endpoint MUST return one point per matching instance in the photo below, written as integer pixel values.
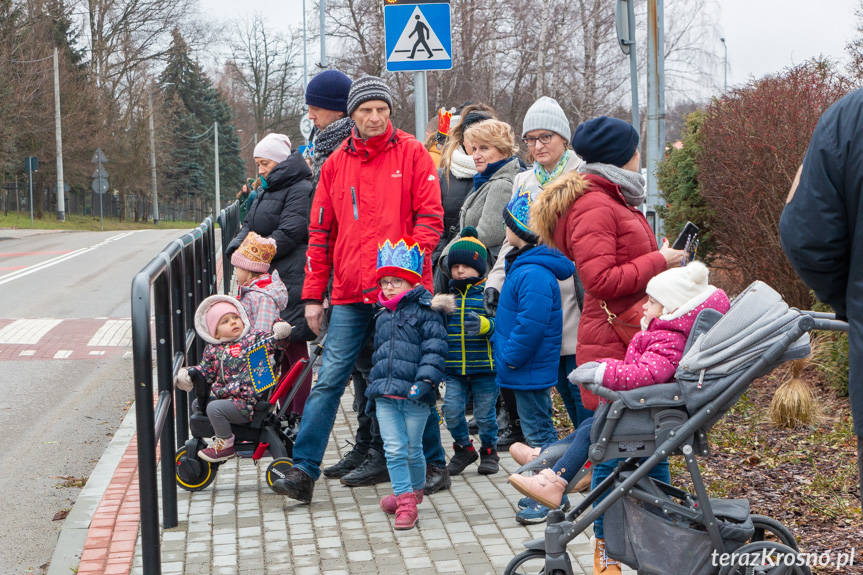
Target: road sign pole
(323, 38)
(421, 105)
(155, 200)
(101, 220)
(216, 132)
(30, 172)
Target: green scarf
(544, 176)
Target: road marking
(115, 332)
(63, 354)
(60, 259)
(27, 352)
(27, 331)
(97, 353)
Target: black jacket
(281, 212)
(453, 192)
(819, 226)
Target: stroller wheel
(194, 474)
(530, 562)
(276, 470)
(749, 560)
(768, 529)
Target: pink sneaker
(524, 453)
(219, 450)
(546, 487)
(389, 505)
(406, 512)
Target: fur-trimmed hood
(553, 203)
(443, 302)
(201, 317)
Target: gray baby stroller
(653, 527)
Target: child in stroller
(675, 297)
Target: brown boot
(602, 563)
(406, 511)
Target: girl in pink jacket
(675, 297)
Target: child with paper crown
(222, 322)
(262, 294)
(408, 363)
(676, 296)
(470, 364)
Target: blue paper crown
(519, 209)
(401, 256)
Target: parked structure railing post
(229, 221)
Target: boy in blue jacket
(529, 322)
(407, 365)
(470, 363)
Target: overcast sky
(763, 36)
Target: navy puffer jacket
(411, 346)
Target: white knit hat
(546, 114)
(275, 147)
(678, 288)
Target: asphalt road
(58, 415)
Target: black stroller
(267, 433)
(651, 526)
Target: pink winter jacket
(654, 354)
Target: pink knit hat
(216, 313)
(255, 253)
(275, 147)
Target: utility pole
(655, 94)
(155, 201)
(58, 136)
(323, 38)
(216, 135)
(305, 51)
(725, 68)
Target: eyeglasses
(531, 141)
(394, 284)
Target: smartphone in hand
(686, 237)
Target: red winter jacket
(369, 191)
(615, 253)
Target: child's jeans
(222, 413)
(485, 392)
(660, 472)
(534, 411)
(402, 422)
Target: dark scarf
(482, 177)
(462, 285)
(513, 254)
(326, 141)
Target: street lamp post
(155, 202)
(725, 68)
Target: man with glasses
(381, 183)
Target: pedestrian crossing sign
(418, 35)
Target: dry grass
(793, 403)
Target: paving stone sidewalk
(238, 525)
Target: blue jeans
(660, 472)
(534, 411)
(402, 422)
(570, 393)
(432, 446)
(485, 392)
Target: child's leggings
(222, 413)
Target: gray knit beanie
(546, 114)
(368, 88)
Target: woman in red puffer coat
(593, 218)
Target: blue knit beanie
(605, 140)
(329, 90)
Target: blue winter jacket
(529, 321)
(410, 347)
(469, 353)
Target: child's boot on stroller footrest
(219, 449)
(602, 563)
(464, 456)
(546, 487)
(523, 453)
(390, 505)
(489, 461)
(406, 511)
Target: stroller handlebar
(600, 391)
(824, 321)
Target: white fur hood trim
(201, 317)
(444, 302)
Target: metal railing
(229, 221)
(174, 283)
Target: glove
(420, 388)
(282, 330)
(183, 380)
(489, 301)
(591, 372)
(475, 324)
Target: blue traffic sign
(418, 35)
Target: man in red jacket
(380, 184)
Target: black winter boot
(512, 434)
(349, 462)
(463, 457)
(437, 478)
(296, 485)
(489, 461)
(372, 470)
